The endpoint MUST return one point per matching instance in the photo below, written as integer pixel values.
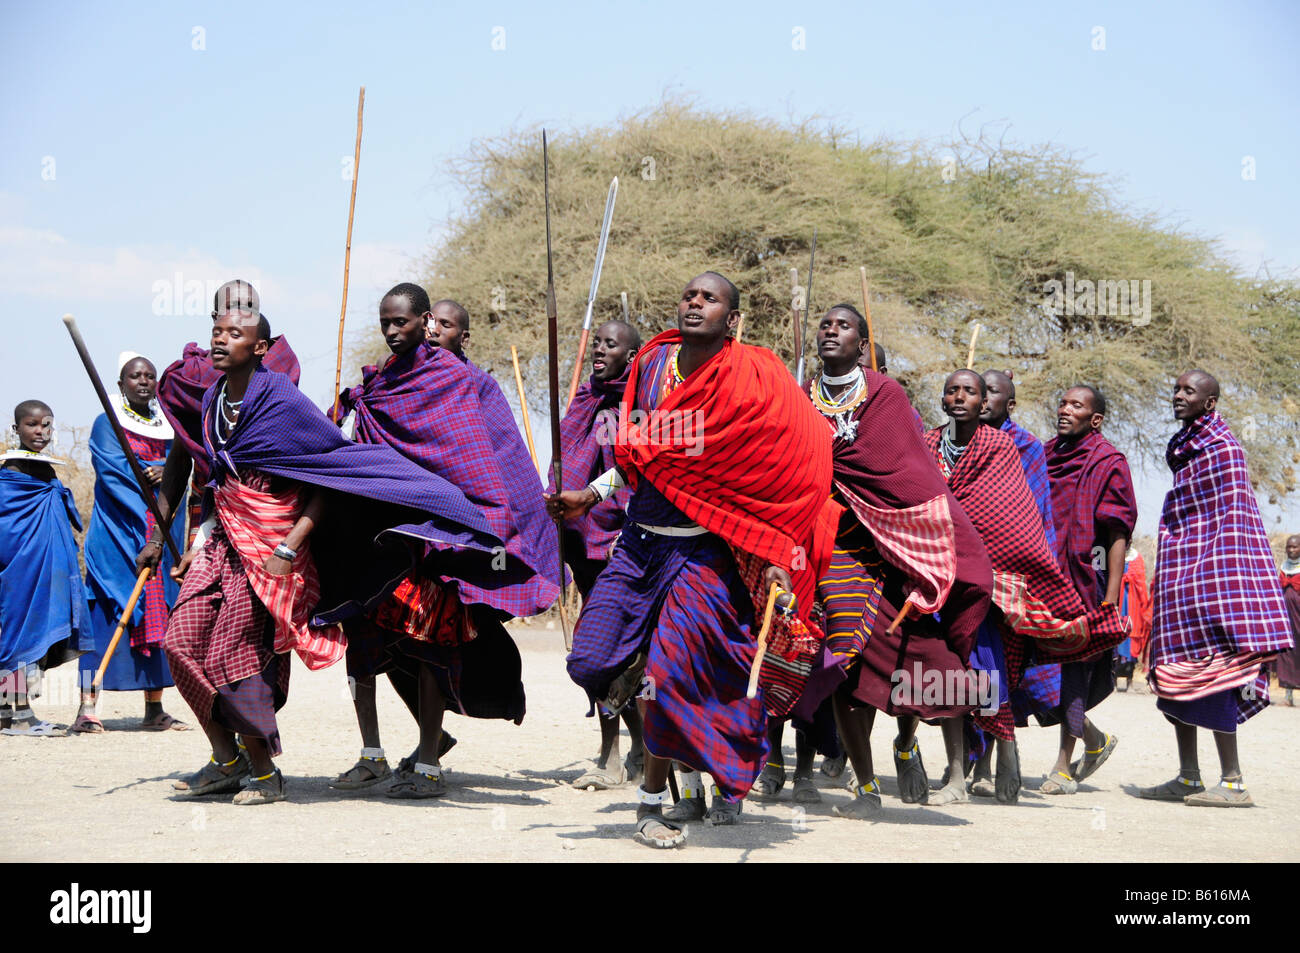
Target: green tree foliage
(950, 234)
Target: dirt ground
(108, 797)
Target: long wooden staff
(553, 378)
(970, 354)
(523, 405)
(142, 481)
(622, 297)
(866, 313)
(740, 327)
(347, 256)
(752, 691)
(140, 580)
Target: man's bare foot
(865, 805)
(1007, 789)
(653, 830)
(954, 792)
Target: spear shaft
(553, 375)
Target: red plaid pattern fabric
(919, 540)
(254, 520)
(216, 634)
(1193, 679)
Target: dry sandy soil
(107, 797)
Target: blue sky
(144, 140)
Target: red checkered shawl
(1092, 491)
(1029, 586)
(889, 479)
(761, 477)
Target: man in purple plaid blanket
(440, 639)
(1219, 616)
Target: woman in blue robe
(119, 528)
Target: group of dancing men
(749, 552)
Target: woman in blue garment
(119, 528)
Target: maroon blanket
(1092, 491)
(888, 467)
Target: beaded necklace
(840, 409)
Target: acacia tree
(950, 234)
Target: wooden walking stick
(523, 405)
(122, 623)
(898, 619)
(347, 257)
(622, 296)
(970, 354)
(752, 691)
(142, 481)
(553, 371)
(595, 285)
(740, 327)
(866, 313)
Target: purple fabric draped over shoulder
(587, 435)
(426, 405)
(183, 383)
(281, 433)
(523, 483)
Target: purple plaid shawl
(281, 433)
(1091, 491)
(587, 435)
(182, 385)
(425, 404)
(1216, 589)
(1034, 462)
(523, 484)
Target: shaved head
(1002, 381)
(1210, 381)
(627, 334)
(976, 380)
